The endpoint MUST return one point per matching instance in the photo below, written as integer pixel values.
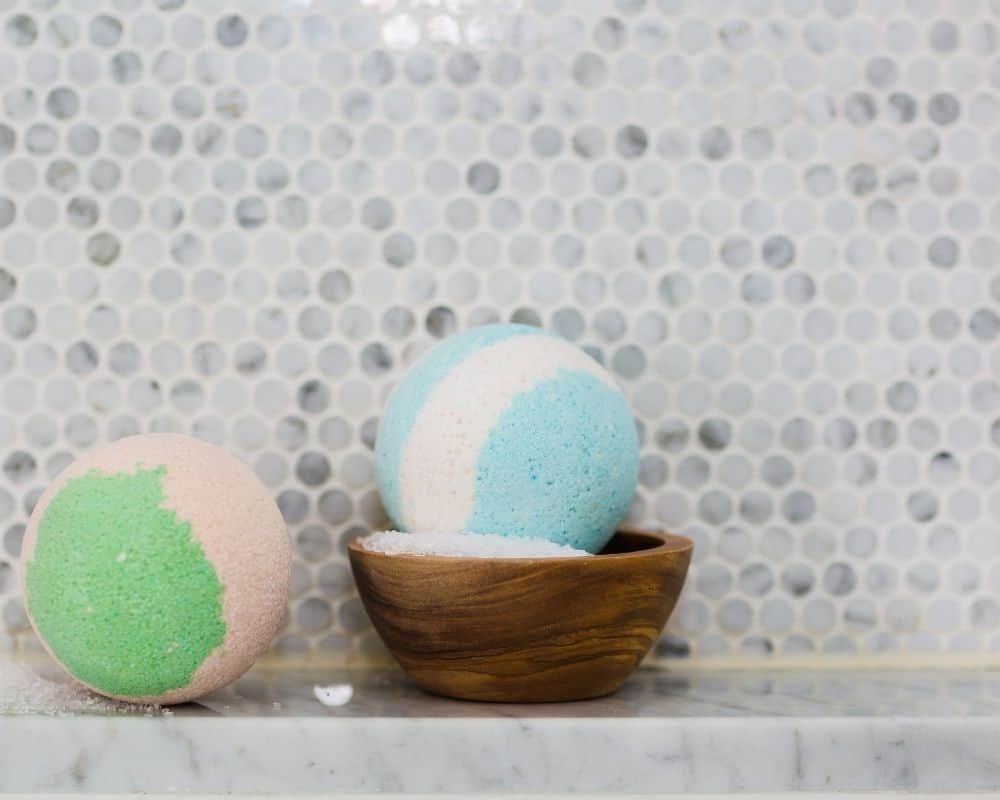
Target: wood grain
(524, 630)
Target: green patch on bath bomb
(119, 589)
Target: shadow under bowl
(524, 629)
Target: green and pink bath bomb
(157, 568)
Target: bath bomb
(156, 568)
(508, 430)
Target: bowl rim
(668, 543)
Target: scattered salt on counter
(477, 545)
(23, 692)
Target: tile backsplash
(775, 221)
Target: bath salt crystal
(474, 545)
(337, 694)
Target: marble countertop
(665, 732)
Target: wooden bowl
(524, 629)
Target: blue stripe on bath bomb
(410, 395)
(561, 464)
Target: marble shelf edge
(291, 755)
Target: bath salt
(337, 694)
(24, 692)
(468, 545)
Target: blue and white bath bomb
(507, 429)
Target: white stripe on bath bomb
(437, 479)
